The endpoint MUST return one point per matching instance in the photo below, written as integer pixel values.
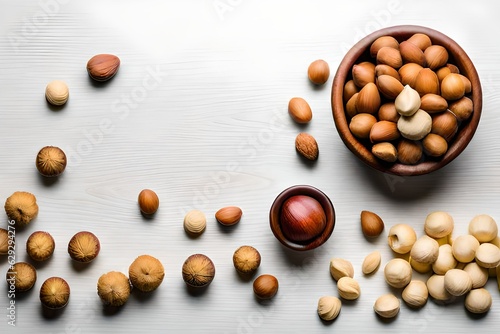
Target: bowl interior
(360, 52)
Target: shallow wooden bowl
(361, 52)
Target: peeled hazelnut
(438, 224)
(401, 238)
(4, 241)
(51, 161)
(40, 246)
(363, 73)
(299, 110)
(371, 224)
(397, 273)
(415, 294)
(371, 263)
(425, 250)
(329, 307)
(409, 151)
(21, 276)
(385, 151)
(483, 227)
(148, 201)
(113, 288)
(452, 87)
(341, 268)
(84, 247)
(307, 146)
(488, 255)
(348, 288)
(57, 92)
(382, 41)
(228, 215)
(21, 207)
(318, 72)
(195, 222)
(387, 306)
(246, 259)
(146, 273)
(478, 301)
(435, 285)
(103, 67)
(457, 282)
(198, 271)
(464, 248)
(361, 124)
(436, 56)
(265, 286)
(54, 293)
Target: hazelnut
(113, 288)
(40, 246)
(318, 72)
(195, 222)
(371, 224)
(4, 241)
(84, 247)
(54, 293)
(57, 92)
(51, 161)
(265, 286)
(246, 259)
(348, 288)
(21, 207)
(198, 271)
(21, 276)
(148, 202)
(103, 67)
(228, 215)
(146, 273)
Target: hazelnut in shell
(84, 247)
(318, 72)
(148, 201)
(103, 67)
(246, 259)
(146, 273)
(302, 218)
(371, 224)
(40, 246)
(54, 293)
(21, 207)
(21, 276)
(4, 241)
(265, 286)
(113, 288)
(198, 271)
(51, 161)
(229, 215)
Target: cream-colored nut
(435, 285)
(496, 241)
(387, 306)
(478, 301)
(416, 126)
(348, 288)
(483, 227)
(457, 282)
(329, 307)
(415, 294)
(195, 222)
(478, 274)
(407, 102)
(445, 260)
(371, 262)
(341, 268)
(438, 224)
(397, 273)
(488, 255)
(57, 92)
(464, 248)
(422, 268)
(425, 250)
(401, 238)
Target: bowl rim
(463, 136)
(321, 197)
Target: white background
(198, 113)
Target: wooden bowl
(275, 214)
(361, 52)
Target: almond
(307, 146)
(103, 67)
(228, 215)
(299, 110)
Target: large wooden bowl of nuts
(406, 100)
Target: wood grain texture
(198, 113)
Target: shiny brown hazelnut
(246, 259)
(229, 215)
(51, 161)
(21, 207)
(371, 224)
(198, 271)
(21, 277)
(54, 293)
(146, 273)
(265, 286)
(318, 72)
(302, 218)
(84, 247)
(113, 288)
(40, 246)
(148, 201)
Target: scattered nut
(307, 146)
(425, 250)
(265, 286)
(371, 263)
(103, 67)
(464, 248)
(57, 92)
(457, 282)
(54, 293)
(415, 294)
(21, 277)
(148, 201)
(318, 72)
(387, 306)
(299, 110)
(198, 271)
(228, 215)
(397, 273)
(478, 274)
(84, 247)
(113, 288)
(371, 224)
(348, 288)
(4, 241)
(51, 161)
(478, 301)
(21, 207)
(438, 224)
(146, 273)
(483, 227)
(195, 222)
(340, 268)
(329, 307)
(488, 255)
(246, 259)
(40, 246)
(401, 238)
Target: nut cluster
(409, 102)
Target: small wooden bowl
(275, 213)
(361, 52)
